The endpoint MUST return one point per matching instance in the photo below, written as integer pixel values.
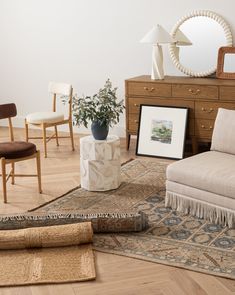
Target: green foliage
(162, 132)
(102, 107)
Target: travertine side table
(100, 163)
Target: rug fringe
(136, 221)
(200, 209)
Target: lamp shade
(157, 35)
(181, 39)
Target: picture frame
(162, 131)
(220, 73)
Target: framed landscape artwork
(161, 131)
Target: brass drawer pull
(136, 121)
(208, 111)
(136, 105)
(150, 90)
(208, 129)
(194, 92)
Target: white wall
(82, 42)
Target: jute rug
(55, 254)
(171, 238)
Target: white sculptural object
(156, 36)
(100, 163)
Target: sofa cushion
(223, 138)
(16, 149)
(211, 171)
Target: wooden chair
(45, 120)
(15, 151)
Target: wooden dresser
(203, 97)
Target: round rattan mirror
(204, 32)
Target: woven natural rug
(172, 238)
(55, 254)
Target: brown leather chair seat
(16, 149)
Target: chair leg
(38, 162)
(26, 131)
(56, 136)
(71, 134)
(13, 173)
(4, 182)
(44, 135)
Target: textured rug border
(137, 220)
(70, 214)
(164, 262)
(61, 196)
(68, 192)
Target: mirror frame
(172, 47)
(220, 73)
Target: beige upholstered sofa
(204, 185)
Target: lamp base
(157, 63)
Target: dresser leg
(128, 138)
(194, 145)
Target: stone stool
(100, 163)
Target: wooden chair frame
(4, 162)
(44, 126)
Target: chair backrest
(61, 89)
(7, 111)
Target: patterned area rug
(172, 238)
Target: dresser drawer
(190, 127)
(134, 104)
(148, 89)
(204, 128)
(133, 124)
(195, 91)
(227, 93)
(208, 110)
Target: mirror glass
(207, 36)
(229, 63)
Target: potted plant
(102, 110)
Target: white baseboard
(19, 122)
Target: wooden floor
(115, 274)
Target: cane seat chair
(52, 118)
(15, 151)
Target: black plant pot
(100, 132)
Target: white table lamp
(158, 35)
(181, 40)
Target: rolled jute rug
(53, 254)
